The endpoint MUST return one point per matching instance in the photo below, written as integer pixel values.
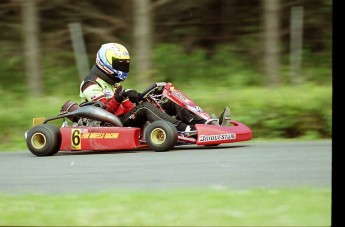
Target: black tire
(161, 135)
(44, 140)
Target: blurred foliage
(222, 68)
(192, 25)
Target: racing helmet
(113, 59)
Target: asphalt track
(234, 166)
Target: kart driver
(103, 84)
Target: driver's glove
(119, 94)
(132, 95)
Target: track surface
(234, 166)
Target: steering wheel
(151, 89)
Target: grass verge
(200, 207)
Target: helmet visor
(121, 65)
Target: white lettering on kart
(205, 138)
(178, 94)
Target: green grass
(255, 207)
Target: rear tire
(44, 140)
(161, 135)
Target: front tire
(161, 135)
(44, 140)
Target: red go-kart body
(46, 139)
(126, 138)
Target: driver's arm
(93, 92)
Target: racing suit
(97, 86)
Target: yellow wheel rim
(158, 136)
(38, 140)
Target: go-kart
(90, 127)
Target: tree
(32, 46)
(271, 41)
(143, 42)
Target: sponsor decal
(205, 138)
(178, 94)
(196, 108)
(192, 140)
(100, 135)
(108, 93)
